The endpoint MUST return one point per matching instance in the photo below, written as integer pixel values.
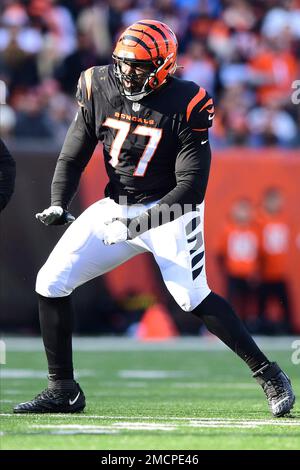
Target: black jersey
(149, 147)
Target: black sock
(220, 319)
(64, 385)
(56, 321)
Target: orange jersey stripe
(208, 103)
(88, 81)
(198, 97)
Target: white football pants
(80, 254)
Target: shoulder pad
(84, 87)
(200, 111)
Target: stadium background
(246, 54)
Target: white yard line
(134, 384)
(111, 427)
(82, 431)
(153, 374)
(8, 373)
(212, 425)
(100, 343)
(154, 426)
(71, 429)
(236, 385)
(186, 421)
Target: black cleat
(277, 387)
(54, 401)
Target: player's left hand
(115, 231)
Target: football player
(7, 175)
(154, 131)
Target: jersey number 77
(123, 129)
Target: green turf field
(190, 395)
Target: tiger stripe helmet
(151, 45)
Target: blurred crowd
(253, 253)
(245, 53)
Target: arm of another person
(7, 175)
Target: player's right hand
(55, 215)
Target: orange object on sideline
(156, 324)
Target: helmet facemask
(133, 77)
